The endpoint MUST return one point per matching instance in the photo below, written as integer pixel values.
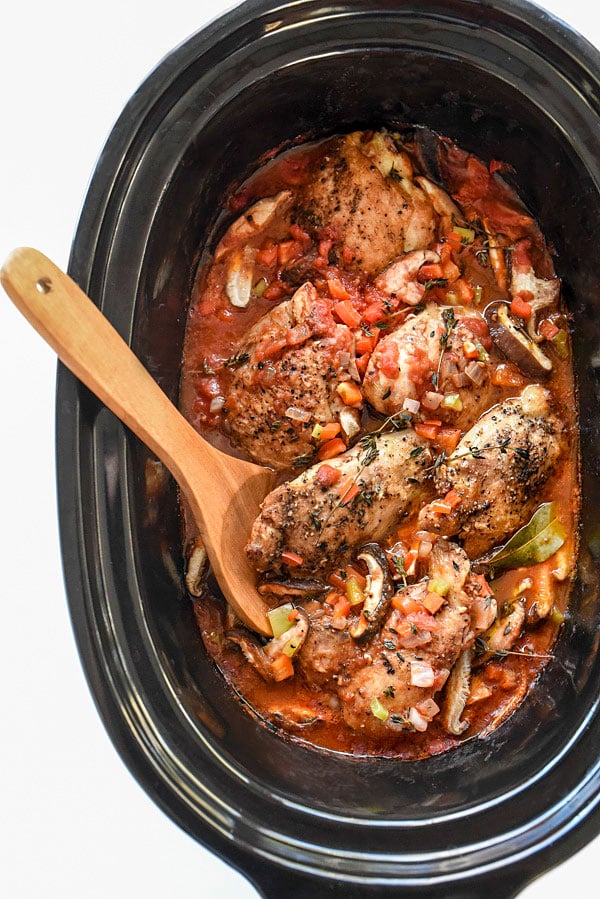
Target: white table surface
(75, 824)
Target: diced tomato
(288, 250)
(350, 495)
(338, 582)
(327, 476)
(333, 597)
(519, 306)
(209, 387)
(506, 374)
(448, 439)
(548, 329)
(450, 272)
(274, 291)
(342, 607)
(298, 233)
(365, 344)
(477, 325)
(225, 314)
(282, 667)
(344, 310)
(331, 448)
(350, 393)
(338, 292)
(433, 602)
(268, 255)
(330, 430)
(464, 291)
(362, 363)
(431, 271)
(439, 507)
(454, 241)
(426, 430)
(347, 255)
(453, 499)
(374, 312)
(324, 248)
(406, 604)
(291, 559)
(388, 359)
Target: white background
(74, 822)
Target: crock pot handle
(275, 884)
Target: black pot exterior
(505, 81)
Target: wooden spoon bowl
(223, 492)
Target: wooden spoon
(223, 492)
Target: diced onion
(475, 372)
(432, 400)
(411, 405)
(448, 369)
(425, 547)
(421, 674)
(460, 380)
(417, 720)
(217, 404)
(297, 414)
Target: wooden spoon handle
(224, 493)
(91, 348)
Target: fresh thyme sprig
(450, 323)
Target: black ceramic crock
(504, 80)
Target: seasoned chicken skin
(292, 361)
(498, 470)
(307, 517)
(424, 359)
(364, 191)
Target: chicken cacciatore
(380, 322)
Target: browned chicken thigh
(364, 191)
(435, 361)
(289, 367)
(309, 516)
(498, 470)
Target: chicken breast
(436, 358)
(309, 516)
(364, 191)
(290, 365)
(498, 470)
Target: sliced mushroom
(514, 343)
(240, 276)
(196, 568)
(262, 657)
(253, 652)
(545, 292)
(497, 256)
(445, 207)
(399, 278)
(296, 587)
(379, 591)
(254, 220)
(456, 695)
(505, 631)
